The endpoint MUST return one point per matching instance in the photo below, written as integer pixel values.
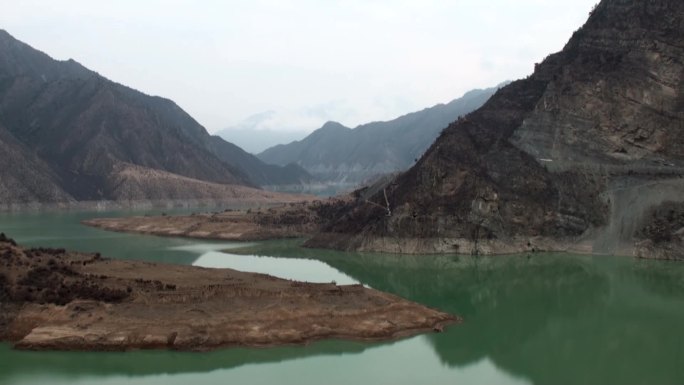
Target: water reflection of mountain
(143, 363)
(549, 318)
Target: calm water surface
(539, 319)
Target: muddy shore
(59, 300)
(293, 220)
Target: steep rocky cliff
(574, 157)
(79, 129)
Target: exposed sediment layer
(631, 229)
(448, 245)
(293, 220)
(53, 299)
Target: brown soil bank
(293, 220)
(54, 299)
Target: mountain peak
(332, 125)
(345, 157)
(18, 58)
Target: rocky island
(59, 300)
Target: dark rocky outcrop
(346, 157)
(76, 130)
(572, 157)
(43, 275)
(662, 233)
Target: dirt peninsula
(59, 300)
(291, 220)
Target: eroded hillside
(575, 156)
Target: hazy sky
(299, 62)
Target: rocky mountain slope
(259, 172)
(585, 154)
(335, 153)
(23, 176)
(74, 131)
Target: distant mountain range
(257, 133)
(255, 141)
(346, 157)
(69, 134)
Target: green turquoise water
(538, 319)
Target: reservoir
(528, 319)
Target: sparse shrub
(5, 239)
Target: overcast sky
(299, 63)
